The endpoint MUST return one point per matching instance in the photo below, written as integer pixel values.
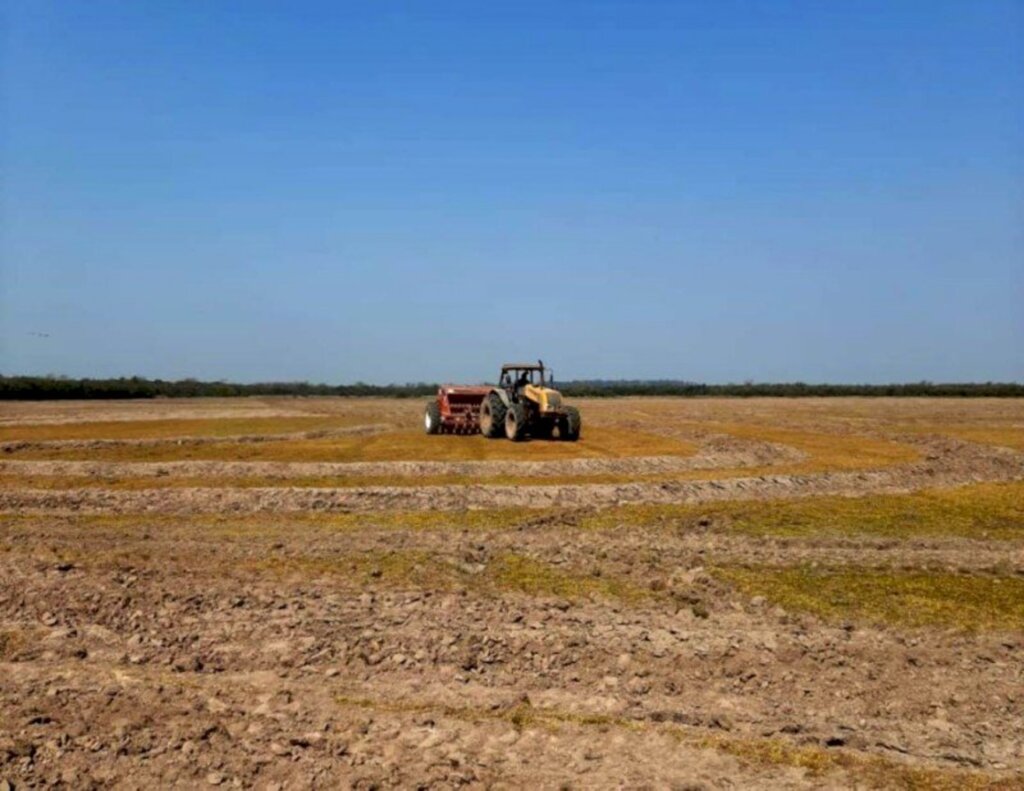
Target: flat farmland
(700, 593)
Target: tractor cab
(516, 377)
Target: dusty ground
(707, 593)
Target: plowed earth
(819, 593)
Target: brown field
(701, 593)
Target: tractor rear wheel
(569, 430)
(492, 416)
(515, 422)
(432, 418)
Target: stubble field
(286, 593)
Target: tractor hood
(546, 399)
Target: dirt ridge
(959, 463)
(711, 456)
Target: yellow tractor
(523, 405)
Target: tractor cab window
(518, 378)
(531, 376)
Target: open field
(701, 593)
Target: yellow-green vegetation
(225, 526)
(525, 575)
(1004, 437)
(521, 715)
(174, 428)
(135, 483)
(244, 546)
(912, 599)
(597, 442)
(867, 771)
(989, 511)
(843, 453)
(825, 450)
(506, 572)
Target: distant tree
(61, 387)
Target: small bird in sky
(40, 334)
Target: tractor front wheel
(515, 422)
(569, 430)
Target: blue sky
(715, 191)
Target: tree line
(38, 388)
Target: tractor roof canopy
(537, 366)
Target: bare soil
(280, 652)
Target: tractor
(520, 405)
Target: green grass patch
(908, 599)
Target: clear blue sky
(715, 191)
